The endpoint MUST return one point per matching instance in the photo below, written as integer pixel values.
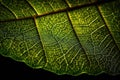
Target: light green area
(84, 40)
(45, 6)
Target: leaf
(62, 36)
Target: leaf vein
(78, 39)
(99, 11)
(44, 54)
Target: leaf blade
(72, 39)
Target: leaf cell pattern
(62, 36)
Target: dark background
(10, 69)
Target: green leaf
(62, 36)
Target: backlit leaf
(62, 36)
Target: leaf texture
(62, 36)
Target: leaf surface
(62, 36)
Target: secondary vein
(40, 41)
(78, 39)
(9, 10)
(32, 6)
(104, 21)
